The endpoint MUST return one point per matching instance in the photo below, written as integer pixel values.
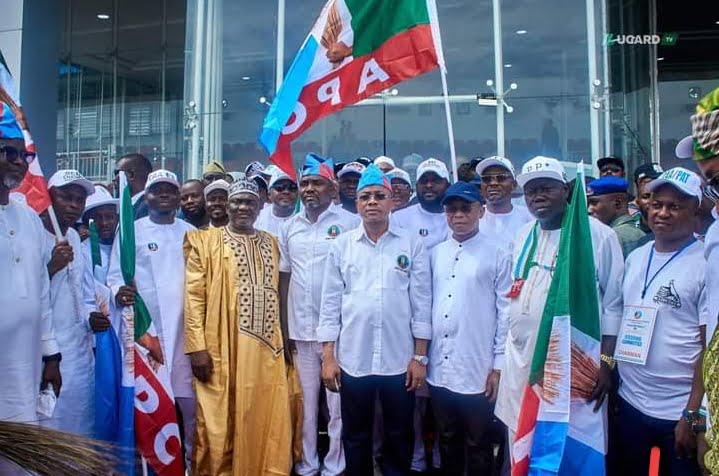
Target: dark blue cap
(607, 184)
(464, 190)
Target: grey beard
(10, 182)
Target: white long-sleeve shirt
(376, 300)
(303, 250)
(470, 308)
(526, 311)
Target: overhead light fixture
(521, 32)
(245, 78)
(103, 16)
(661, 58)
(508, 65)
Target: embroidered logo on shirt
(402, 262)
(333, 231)
(152, 246)
(423, 232)
(668, 295)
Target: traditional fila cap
(433, 165)
(160, 176)
(680, 178)
(217, 185)
(9, 127)
(316, 165)
(373, 175)
(495, 161)
(705, 127)
(542, 167)
(65, 177)
(243, 185)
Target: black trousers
(464, 428)
(358, 399)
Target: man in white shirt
(283, 197)
(31, 356)
(502, 219)
(471, 276)
(376, 305)
(662, 338)
(535, 252)
(216, 194)
(304, 241)
(160, 280)
(75, 409)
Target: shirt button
(12, 232)
(453, 276)
(446, 335)
(445, 357)
(446, 316)
(450, 295)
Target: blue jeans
(638, 433)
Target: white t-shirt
(504, 226)
(432, 227)
(661, 387)
(269, 222)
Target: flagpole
(55, 223)
(450, 127)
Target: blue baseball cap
(464, 190)
(606, 185)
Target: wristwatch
(696, 419)
(611, 363)
(422, 360)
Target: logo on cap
(71, 175)
(333, 231)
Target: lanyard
(528, 251)
(649, 265)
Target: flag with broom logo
(558, 431)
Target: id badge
(516, 288)
(635, 334)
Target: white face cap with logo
(495, 161)
(432, 165)
(542, 167)
(686, 181)
(160, 176)
(65, 177)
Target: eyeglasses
(290, 187)
(12, 153)
(367, 196)
(499, 178)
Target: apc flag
(558, 431)
(355, 49)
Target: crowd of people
(401, 312)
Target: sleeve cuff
(50, 347)
(499, 362)
(195, 345)
(328, 333)
(611, 325)
(421, 330)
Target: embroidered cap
(680, 178)
(705, 127)
(65, 177)
(542, 167)
(9, 127)
(243, 185)
(217, 185)
(161, 176)
(316, 165)
(373, 176)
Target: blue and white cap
(686, 181)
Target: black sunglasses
(12, 153)
(285, 186)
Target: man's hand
(416, 375)
(685, 442)
(62, 255)
(99, 322)
(51, 374)
(602, 387)
(290, 349)
(126, 296)
(702, 448)
(201, 365)
(331, 373)
(492, 385)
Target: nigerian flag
(558, 431)
(355, 49)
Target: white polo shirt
(661, 387)
(431, 227)
(303, 250)
(376, 299)
(470, 282)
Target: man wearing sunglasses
(502, 219)
(31, 356)
(283, 192)
(137, 167)
(376, 310)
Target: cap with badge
(161, 176)
(100, 198)
(647, 171)
(352, 168)
(217, 185)
(373, 176)
(61, 178)
(243, 185)
(435, 166)
(542, 167)
(495, 162)
(464, 190)
(607, 185)
(399, 174)
(686, 181)
(9, 127)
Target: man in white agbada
(101, 210)
(160, 280)
(31, 357)
(75, 409)
(546, 192)
(283, 193)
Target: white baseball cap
(680, 178)
(685, 148)
(70, 177)
(397, 173)
(383, 159)
(433, 165)
(542, 167)
(278, 176)
(217, 185)
(351, 168)
(100, 198)
(495, 161)
(159, 176)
